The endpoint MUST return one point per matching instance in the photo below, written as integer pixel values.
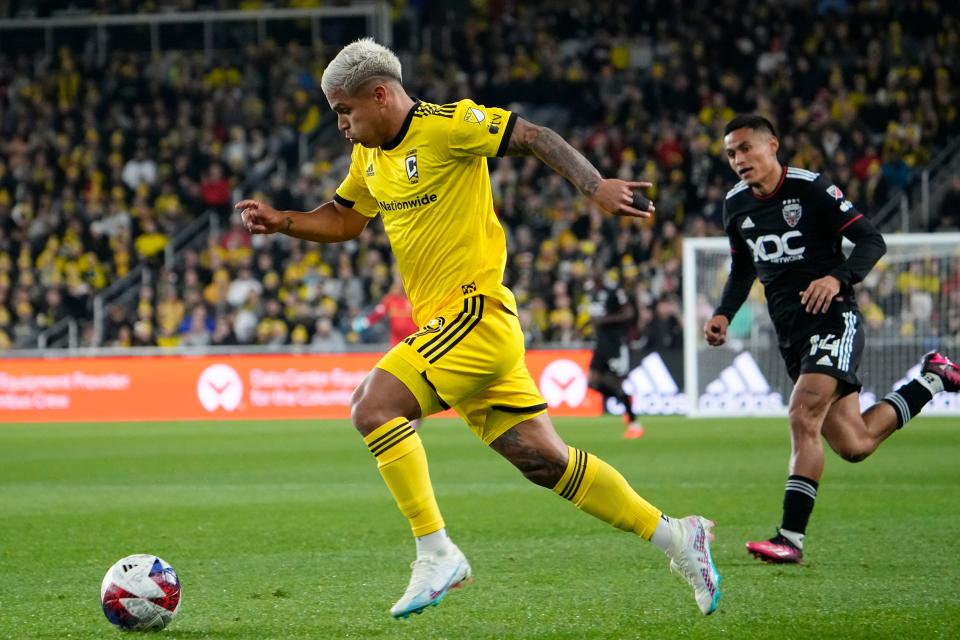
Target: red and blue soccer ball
(140, 592)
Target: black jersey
(607, 303)
(791, 238)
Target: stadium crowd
(102, 163)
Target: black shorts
(829, 343)
(611, 358)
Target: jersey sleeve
(830, 201)
(480, 131)
(845, 219)
(353, 193)
(742, 272)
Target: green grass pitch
(285, 530)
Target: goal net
(910, 302)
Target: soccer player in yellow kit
(423, 168)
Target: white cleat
(690, 557)
(434, 574)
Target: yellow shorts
(470, 358)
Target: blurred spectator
(326, 338)
(223, 335)
(215, 191)
(117, 320)
(948, 215)
(242, 287)
(140, 169)
(395, 307)
(197, 328)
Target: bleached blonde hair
(358, 62)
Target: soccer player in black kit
(786, 226)
(611, 313)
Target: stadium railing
(911, 210)
(65, 329)
(23, 30)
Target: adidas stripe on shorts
(830, 343)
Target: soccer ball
(140, 592)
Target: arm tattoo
(289, 223)
(556, 153)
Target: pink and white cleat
(777, 550)
(941, 366)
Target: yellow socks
(403, 464)
(600, 490)
(588, 482)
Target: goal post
(910, 302)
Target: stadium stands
(104, 163)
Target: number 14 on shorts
(829, 343)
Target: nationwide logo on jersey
(747, 223)
(835, 192)
(410, 162)
(370, 170)
(474, 115)
(792, 211)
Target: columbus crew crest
(413, 173)
(792, 211)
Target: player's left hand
(617, 197)
(818, 295)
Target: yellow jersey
(432, 187)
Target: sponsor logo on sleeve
(495, 120)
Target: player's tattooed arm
(614, 196)
(530, 139)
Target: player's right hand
(715, 331)
(259, 217)
(617, 197)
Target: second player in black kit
(786, 226)
(612, 314)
